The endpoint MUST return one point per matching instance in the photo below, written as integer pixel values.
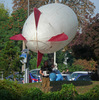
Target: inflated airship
(48, 29)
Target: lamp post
(24, 67)
(56, 1)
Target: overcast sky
(8, 4)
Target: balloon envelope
(53, 21)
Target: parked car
(66, 77)
(34, 78)
(35, 71)
(83, 77)
(75, 74)
(17, 76)
(57, 72)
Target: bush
(6, 95)
(81, 97)
(68, 92)
(93, 94)
(10, 90)
(32, 94)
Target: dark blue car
(17, 76)
(83, 77)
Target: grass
(81, 86)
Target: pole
(56, 1)
(26, 70)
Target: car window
(34, 72)
(74, 75)
(84, 78)
(34, 76)
(68, 77)
(38, 72)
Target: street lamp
(25, 52)
(56, 1)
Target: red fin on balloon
(39, 58)
(60, 37)
(17, 37)
(37, 14)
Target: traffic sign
(24, 55)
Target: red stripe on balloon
(37, 14)
(60, 37)
(17, 37)
(39, 58)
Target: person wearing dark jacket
(45, 71)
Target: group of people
(48, 74)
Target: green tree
(74, 67)
(87, 65)
(4, 14)
(60, 56)
(83, 8)
(86, 45)
(12, 26)
(11, 50)
(9, 58)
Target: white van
(76, 73)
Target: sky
(8, 4)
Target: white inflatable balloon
(48, 29)
(55, 19)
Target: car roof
(35, 69)
(82, 72)
(83, 75)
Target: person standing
(45, 71)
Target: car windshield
(84, 78)
(69, 77)
(35, 72)
(74, 75)
(34, 75)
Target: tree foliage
(86, 65)
(86, 45)
(11, 50)
(4, 14)
(83, 8)
(9, 58)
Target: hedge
(13, 91)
